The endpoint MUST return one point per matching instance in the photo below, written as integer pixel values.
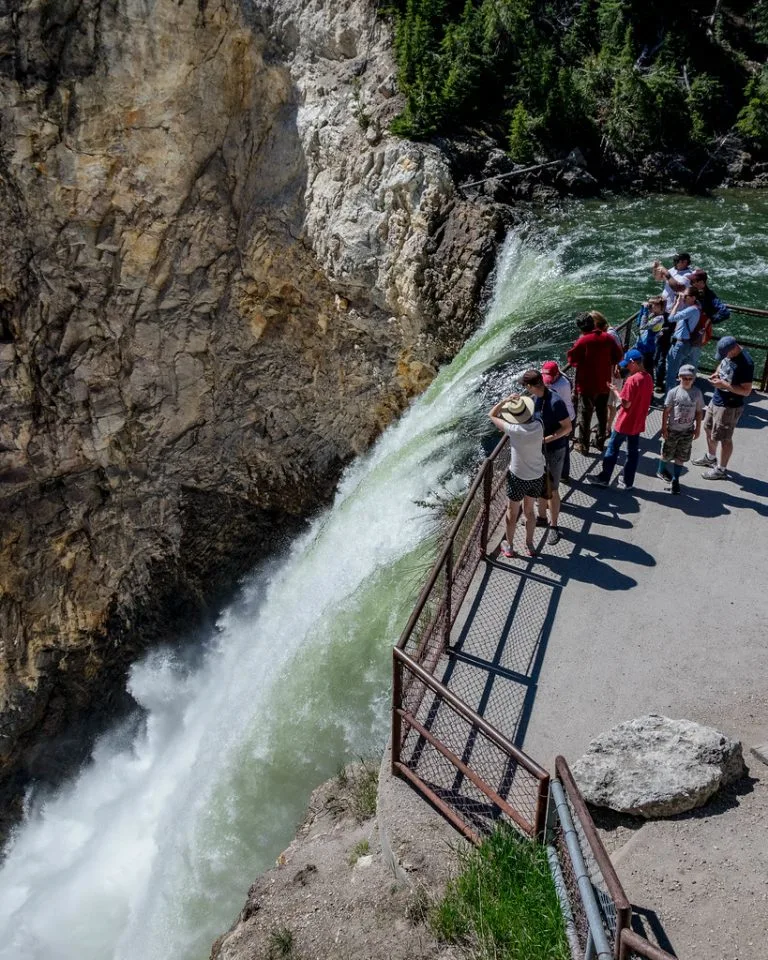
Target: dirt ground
(335, 893)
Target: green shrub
(614, 77)
(521, 143)
(752, 123)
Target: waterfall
(148, 852)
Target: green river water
(149, 851)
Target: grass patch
(281, 944)
(364, 789)
(503, 904)
(361, 849)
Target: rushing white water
(148, 852)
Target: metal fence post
(487, 489)
(448, 593)
(397, 697)
(540, 824)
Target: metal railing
(625, 329)
(635, 947)
(472, 773)
(596, 869)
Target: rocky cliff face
(220, 280)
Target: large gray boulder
(656, 767)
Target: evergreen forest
(622, 80)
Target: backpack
(702, 332)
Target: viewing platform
(650, 603)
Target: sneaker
(714, 473)
(706, 461)
(675, 488)
(506, 550)
(542, 522)
(664, 474)
(553, 536)
(624, 485)
(598, 481)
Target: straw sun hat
(517, 411)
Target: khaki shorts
(721, 421)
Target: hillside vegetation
(623, 80)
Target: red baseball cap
(550, 371)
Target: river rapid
(148, 852)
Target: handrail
(750, 311)
(608, 871)
(474, 718)
(449, 541)
(632, 942)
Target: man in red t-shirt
(635, 400)
(594, 356)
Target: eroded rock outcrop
(220, 280)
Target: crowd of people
(616, 388)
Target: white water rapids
(148, 853)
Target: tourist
(713, 310)
(650, 323)
(686, 314)
(675, 279)
(617, 382)
(635, 399)
(680, 426)
(553, 413)
(557, 381)
(733, 383)
(593, 355)
(663, 343)
(514, 415)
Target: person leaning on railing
(593, 355)
(514, 415)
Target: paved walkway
(649, 604)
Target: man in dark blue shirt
(733, 384)
(557, 426)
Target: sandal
(530, 550)
(506, 550)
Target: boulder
(656, 767)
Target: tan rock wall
(220, 280)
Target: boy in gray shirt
(680, 425)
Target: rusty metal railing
(613, 903)
(635, 947)
(465, 767)
(468, 770)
